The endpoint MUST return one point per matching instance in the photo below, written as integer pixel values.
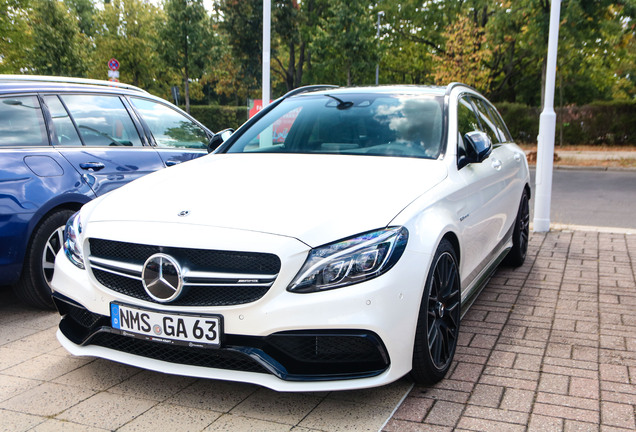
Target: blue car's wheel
(34, 287)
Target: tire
(517, 254)
(34, 286)
(438, 321)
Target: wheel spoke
(51, 248)
(443, 310)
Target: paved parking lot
(548, 346)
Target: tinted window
(504, 134)
(21, 122)
(102, 120)
(487, 123)
(169, 127)
(382, 125)
(62, 125)
(466, 117)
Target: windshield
(377, 125)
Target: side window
(504, 134)
(170, 128)
(466, 117)
(62, 125)
(21, 122)
(487, 123)
(466, 122)
(102, 120)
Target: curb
(588, 228)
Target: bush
(599, 123)
(217, 118)
(522, 121)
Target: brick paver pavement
(550, 346)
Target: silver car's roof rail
(308, 88)
(69, 80)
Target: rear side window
(62, 125)
(102, 120)
(21, 122)
(170, 128)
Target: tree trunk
(301, 63)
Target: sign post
(113, 70)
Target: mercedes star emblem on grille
(161, 278)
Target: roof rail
(308, 88)
(69, 80)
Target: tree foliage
(498, 46)
(185, 37)
(59, 48)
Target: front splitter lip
(264, 380)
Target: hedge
(599, 123)
(217, 118)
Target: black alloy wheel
(438, 323)
(520, 236)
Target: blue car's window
(378, 125)
(62, 125)
(102, 120)
(169, 127)
(21, 122)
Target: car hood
(313, 198)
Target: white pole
(267, 20)
(547, 130)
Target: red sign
(258, 105)
(113, 64)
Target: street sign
(113, 74)
(113, 64)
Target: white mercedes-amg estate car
(332, 242)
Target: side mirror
(219, 138)
(479, 145)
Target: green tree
(85, 12)
(15, 35)
(242, 29)
(185, 36)
(344, 45)
(58, 46)
(128, 31)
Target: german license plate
(202, 331)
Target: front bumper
(354, 337)
(306, 355)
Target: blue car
(64, 142)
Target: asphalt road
(592, 198)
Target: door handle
(92, 166)
(496, 164)
(172, 162)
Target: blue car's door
(100, 139)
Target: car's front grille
(212, 278)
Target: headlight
(350, 261)
(73, 240)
